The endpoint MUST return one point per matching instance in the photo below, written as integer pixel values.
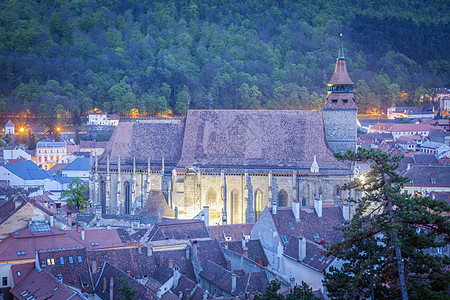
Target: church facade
(235, 162)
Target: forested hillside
(157, 55)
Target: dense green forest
(156, 55)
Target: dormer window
(334, 101)
(345, 101)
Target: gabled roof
(314, 258)
(234, 140)
(79, 164)
(428, 176)
(9, 123)
(28, 170)
(233, 232)
(178, 230)
(41, 285)
(255, 252)
(310, 224)
(108, 273)
(131, 139)
(72, 264)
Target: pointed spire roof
(341, 49)
(340, 75)
(9, 123)
(314, 166)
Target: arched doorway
(282, 198)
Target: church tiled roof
(229, 140)
(255, 139)
(143, 141)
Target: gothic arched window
(258, 203)
(282, 198)
(211, 197)
(127, 198)
(234, 207)
(303, 202)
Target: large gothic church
(236, 162)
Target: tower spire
(341, 48)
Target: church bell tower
(340, 111)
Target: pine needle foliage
(385, 251)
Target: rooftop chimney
(83, 235)
(195, 244)
(104, 284)
(245, 250)
(292, 281)
(274, 207)
(149, 251)
(346, 211)
(159, 214)
(17, 203)
(94, 268)
(224, 217)
(188, 253)
(244, 242)
(52, 221)
(228, 264)
(60, 278)
(206, 214)
(170, 262)
(296, 210)
(233, 282)
(302, 248)
(111, 288)
(69, 218)
(318, 207)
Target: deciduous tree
(74, 195)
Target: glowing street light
(22, 129)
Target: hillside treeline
(160, 55)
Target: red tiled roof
(154, 201)
(340, 75)
(178, 230)
(229, 139)
(106, 238)
(72, 264)
(405, 127)
(22, 269)
(233, 231)
(41, 285)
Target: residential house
(49, 152)
(398, 130)
(438, 149)
(40, 284)
(17, 213)
(422, 112)
(80, 168)
(27, 175)
(425, 179)
(294, 239)
(444, 102)
(9, 127)
(410, 142)
(15, 154)
(102, 119)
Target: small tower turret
(340, 111)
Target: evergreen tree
(385, 245)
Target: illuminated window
(50, 261)
(258, 203)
